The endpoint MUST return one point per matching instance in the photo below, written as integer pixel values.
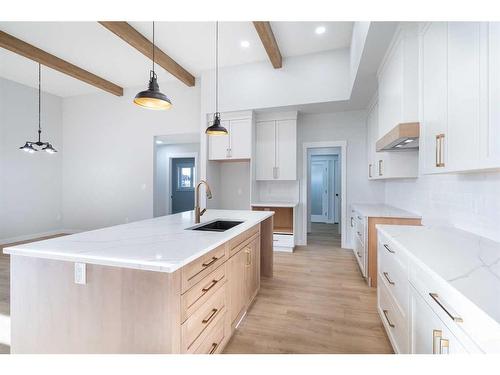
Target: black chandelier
(153, 98)
(216, 128)
(45, 146)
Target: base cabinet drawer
(360, 254)
(396, 325)
(203, 319)
(429, 335)
(212, 342)
(283, 240)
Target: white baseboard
(27, 237)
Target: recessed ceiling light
(158, 142)
(320, 30)
(245, 43)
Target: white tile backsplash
(467, 201)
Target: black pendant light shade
(216, 128)
(28, 146)
(153, 98)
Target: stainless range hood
(403, 137)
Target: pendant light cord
(153, 48)
(217, 67)
(39, 100)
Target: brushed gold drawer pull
(387, 278)
(249, 257)
(444, 348)
(209, 318)
(435, 297)
(387, 318)
(214, 259)
(210, 286)
(214, 348)
(436, 341)
(389, 249)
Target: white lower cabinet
(360, 246)
(429, 335)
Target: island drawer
(238, 242)
(198, 295)
(210, 342)
(198, 269)
(203, 319)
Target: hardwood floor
(5, 295)
(317, 302)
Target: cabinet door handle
(437, 151)
(436, 341)
(380, 167)
(435, 297)
(277, 172)
(386, 275)
(214, 348)
(352, 225)
(369, 170)
(249, 257)
(387, 318)
(209, 318)
(389, 249)
(440, 150)
(212, 284)
(214, 259)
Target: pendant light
(153, 98)
(28, 146)
(216, 128)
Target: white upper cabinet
(276, 148)
(397, 103)
(460, 89)
(238, 143)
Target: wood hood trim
(398, 134)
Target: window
(185, 177)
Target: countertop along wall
(467, 201)
(109, 153)
(30, 184)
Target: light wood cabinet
(234, 146)
(459, 92)
(276, 149)
(244, 271)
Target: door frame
(179, 155)
(343, 194)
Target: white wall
(348, 126)
(358, 40)
(162, 181)
(30, 184)
(109, 153)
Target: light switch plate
(80, 273)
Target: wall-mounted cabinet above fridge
(276, 146)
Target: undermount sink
(216, 226)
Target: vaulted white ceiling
(192, 44)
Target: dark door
(183, 175)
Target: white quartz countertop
(274, 204)
(469, 263)
(382, 210)
(161, 244)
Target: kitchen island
(152, 286)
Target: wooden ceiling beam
(31, 52)
(266, 35)
(130, 35)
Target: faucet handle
(202, 211)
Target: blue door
(183, 180)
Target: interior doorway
(176, 173)
(324, 211)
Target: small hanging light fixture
(216, 128)
(153, 98)
(28, 146)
